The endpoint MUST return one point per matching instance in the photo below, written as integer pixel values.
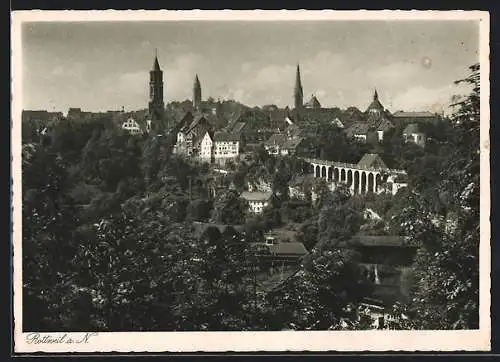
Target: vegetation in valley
(109, 242)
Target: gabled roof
(371, 160)
(313, 103)
(383, 125)
(283, 141)
(276, 139)
(200, 136)
(362, 127)
(190, 121)
(277, 115)
(185, 122)
(358, 128)
(198, 119)
(288, 249)
(237, 126)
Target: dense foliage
(115, 233)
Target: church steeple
(156, 64)
(156, 103)
(196, 93)
(298, 93)
(375, 109)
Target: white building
(412, 133)
(257, 200)
(206, 148)
(226, 146)
(131, 126)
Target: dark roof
(383, 125)
(371, 160)
(190, 121)
(291, 249)
(402, 114)
(283, 141)
(412, 128)
(323, 115)
(198, 119)
(185, 122)
(375, 104)
(383, 240)
(276, 139)
(237, 126)
(278, 115)
(226, 137)
(358, 128)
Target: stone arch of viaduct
(358, 179)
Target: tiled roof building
(371, 160)
(404, 118)
(313, 103)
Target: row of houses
(196, 137)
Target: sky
(101, 66)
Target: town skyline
(411, 72)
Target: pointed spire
(298, 91)
(298, 82)
(375, 95)
(196, 92)
(156, 65)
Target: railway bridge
(368, 175)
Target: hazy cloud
(104, 66)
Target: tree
(446, 295)
(338, 221)
(49, 242)
(321, 294)
(199, 210)
(229, 208)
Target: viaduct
(360, 178)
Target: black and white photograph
(293, 176)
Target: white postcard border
(477, 340)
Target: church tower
(375, 109)
(298, 93)
(196, 93)
(156, 104)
